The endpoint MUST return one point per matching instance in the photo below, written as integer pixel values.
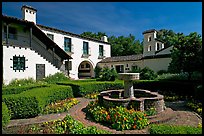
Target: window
(85, 48)
(82, 66)
(157, 48)
(18, 63)
(149, 48)
(87, 65)
(127, 65)
(162, 46)
(51, 36)
(12, 33)
(67, 44)
(149, 39)
(101, 50)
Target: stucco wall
(33, 59)
(77, 49)
(154, 64)
(157, 64)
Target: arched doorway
(85, 70)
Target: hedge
(167, 87)
(84, 88)
(19, 89)
(30, 103)
(170, 129)
(50, 94)
(21, 106)
(6, 115)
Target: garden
(27, 98)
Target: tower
(29, 13)
(149, 42)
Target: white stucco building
(35, 51)
(155, 56)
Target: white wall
(30, 72)
(78, 50)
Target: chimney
(104, 38)
(29, 13)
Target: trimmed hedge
(170, 129)
(84, 88)
(6, 115)
(19, 89)
(30, 103)
(21, 106)
(50, 94)
(168, 87)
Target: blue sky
(114, 18)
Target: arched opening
(85, 70)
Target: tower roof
(29, 7)
(149, 31)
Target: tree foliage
(186, 53)
(120, 46)
(165, 36)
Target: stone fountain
(139, 99)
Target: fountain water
(140, 99)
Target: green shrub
(195, 106)
(19, 89)
(6, 115)
(147, 74)
(97, 71)
(170, 129)
(47, 95)
(166, 87)
(84, 88)
(173, 77)
(107, 74)
(21, 106)
(22, 82)
(57, 77)
(135, 69)
(31, 102)
(160, 72)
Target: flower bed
(65, 126)
(195, 106)
(119, 118)
(60, 106)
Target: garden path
(169, 116)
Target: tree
(186, 53)
(120, 46)
(165, 36)
(93, 35)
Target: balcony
(69, 50)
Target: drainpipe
(31, 36)
(7, 33)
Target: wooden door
(40, 71)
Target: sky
(114, 18)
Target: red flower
(145, 115)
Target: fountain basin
(129, 76)
(142, 100)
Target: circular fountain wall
(138, 99)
